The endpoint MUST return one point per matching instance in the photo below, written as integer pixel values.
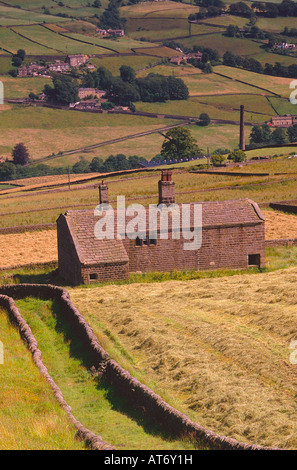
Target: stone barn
(231, 234)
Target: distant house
(31, 70)
(105, 33)
(77, 60)
(59, 67)
(233, 236)
(286, 120)
(186, 57)
(84, 93)
(285, 45)
(87, 105)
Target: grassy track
(30, 417)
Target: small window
(138, 241)
(145, 241)
(93, 277)
(254, 260)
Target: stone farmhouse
(286, 120)
(84, 93)
(107, 33)
(186, 57)
(77, 60)
(232, 237)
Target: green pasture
(20, 87)
(27, 16)
(167, 8)
(30, 416)
(278, 85)
(137, 62)
(243, 47)
(11, 41)
(221, 107)
(163, 28)
(45, 131)
(62, 44)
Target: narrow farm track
(139, 396)
(108, 142)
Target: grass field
(46, 131)
(278, 85)
(30, 417)
(218, 107)
(167, 8)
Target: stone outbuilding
(232, 236)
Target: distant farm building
(31, 70)
(77, 60)
(186, 57)
(107, 33)
(84, 93)
(233, 236)
(285, 45)
(59, 67)
(286, 120)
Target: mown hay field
(28, 248)
(218, 348)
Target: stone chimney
(103, 193)
(166, 188)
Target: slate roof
(92, 251)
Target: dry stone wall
(139, 395)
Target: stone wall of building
(226, 247)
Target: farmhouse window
(254, 260)
(93, 277)
(146, 241)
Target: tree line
(262, 135)
(11, 170)
(253, 65)
(121, 90)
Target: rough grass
(218, 346)
(30, 417)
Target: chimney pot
(166, 188)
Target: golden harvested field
(30, 247)
(218, 349)
(279, 225)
